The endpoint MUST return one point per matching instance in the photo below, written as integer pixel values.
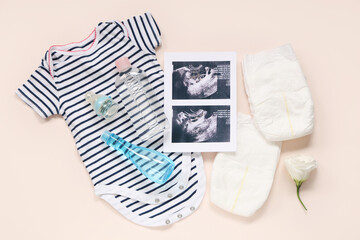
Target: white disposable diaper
(241, 180)
(278, 94)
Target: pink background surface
(46, 192)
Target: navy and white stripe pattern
(89, 65)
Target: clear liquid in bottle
(143, 109)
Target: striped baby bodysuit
(57, 87)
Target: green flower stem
(298, 185)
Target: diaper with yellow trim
(278, 94)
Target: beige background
(46, 192)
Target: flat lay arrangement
(140, 130)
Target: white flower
(299, 168)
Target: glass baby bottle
(144, 114)
(154, 165)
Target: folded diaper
(241, 181)
(278, 94)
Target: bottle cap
(122, 63)
(105, 136)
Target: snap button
(192, 208)
(181, 187)
(157, 200)
(179, 215)
(167, 221)
(169, 195)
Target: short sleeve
(144, 31)
(40, 93)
